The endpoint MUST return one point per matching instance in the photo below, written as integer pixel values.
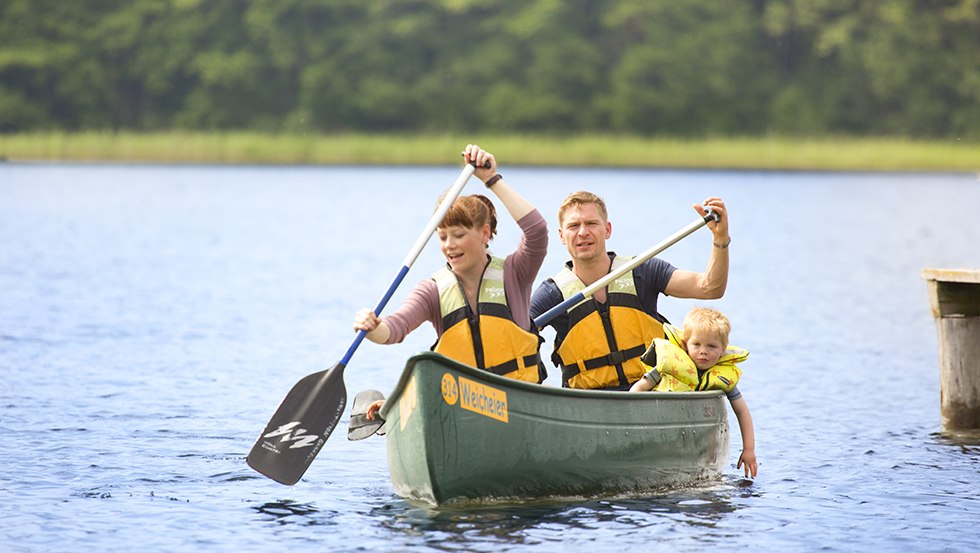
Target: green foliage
(904, 68)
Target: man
(598, 343)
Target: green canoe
(455, 433)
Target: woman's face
(465, 248)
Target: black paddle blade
(300, 427)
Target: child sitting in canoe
(699, 358)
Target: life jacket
(489, 339)
(602, 348)
(678, 373)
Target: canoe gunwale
(530, 387)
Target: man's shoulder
(654, 267)
(653, 262)
(649, 262)
(545, 296)
(548, 287)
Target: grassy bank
(844, 154)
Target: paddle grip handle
(486, 164)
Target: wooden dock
(954, 297)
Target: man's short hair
(582, 197)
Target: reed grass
(835, 154)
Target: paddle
(311, 409)
(543, 318)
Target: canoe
(459, 434)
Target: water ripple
(153, 318)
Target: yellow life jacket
(490, 339)
(603, 350)
(679, 373)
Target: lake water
(152, 318)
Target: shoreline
(607, 151)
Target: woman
(479, 304)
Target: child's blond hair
(708, 320)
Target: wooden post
(954, 296)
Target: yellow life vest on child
(491, 341)
(603, 349)
(678, 373)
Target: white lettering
(303, 441)
(284, 429)
(300, 438)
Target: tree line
(688, 68)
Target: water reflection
(291, 512)
(962, 438)
(704, 511)
(533, 523)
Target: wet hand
(747, 458)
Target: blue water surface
(152, 318)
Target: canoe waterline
(456, 433)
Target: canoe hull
(459, 434)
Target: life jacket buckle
(616, 357)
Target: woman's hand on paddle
(365, 319)
(719, 229)
(377, 331)
(478, 156)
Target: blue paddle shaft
(413, 254)
(361, 334)
(544, 318)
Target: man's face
(584, 232)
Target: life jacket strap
(612, 359)
(512, 365)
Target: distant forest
(684, 68)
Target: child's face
(704, 348)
